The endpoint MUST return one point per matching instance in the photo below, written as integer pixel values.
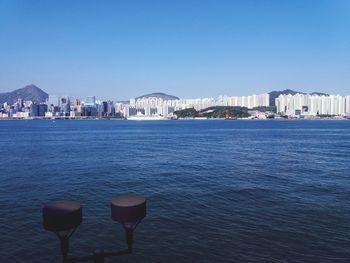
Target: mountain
(30, 92)
(275, 94)
(159, 95)
(319, 94)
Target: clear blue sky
(121, 49)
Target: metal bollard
(99, 256)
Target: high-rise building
(104, 108)
(65, 105)
(347, 105)
(90, 102)
(53, 100)
(34, 110)
(315, 104)
(42, 108)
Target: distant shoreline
(182, 119)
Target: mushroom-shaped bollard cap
(62, 215)
(128, 209)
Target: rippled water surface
(217, 191)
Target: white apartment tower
(316, 104)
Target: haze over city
(122, 49)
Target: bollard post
(64, 248)
(99, 256)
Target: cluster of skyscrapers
(58, 107)
(313, 105)
(90, 107)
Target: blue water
(217, 191)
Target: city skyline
(163, 106)
(184, 47)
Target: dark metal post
(99, 256)
(129, 238)
(64, 248)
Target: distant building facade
(313, 105)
